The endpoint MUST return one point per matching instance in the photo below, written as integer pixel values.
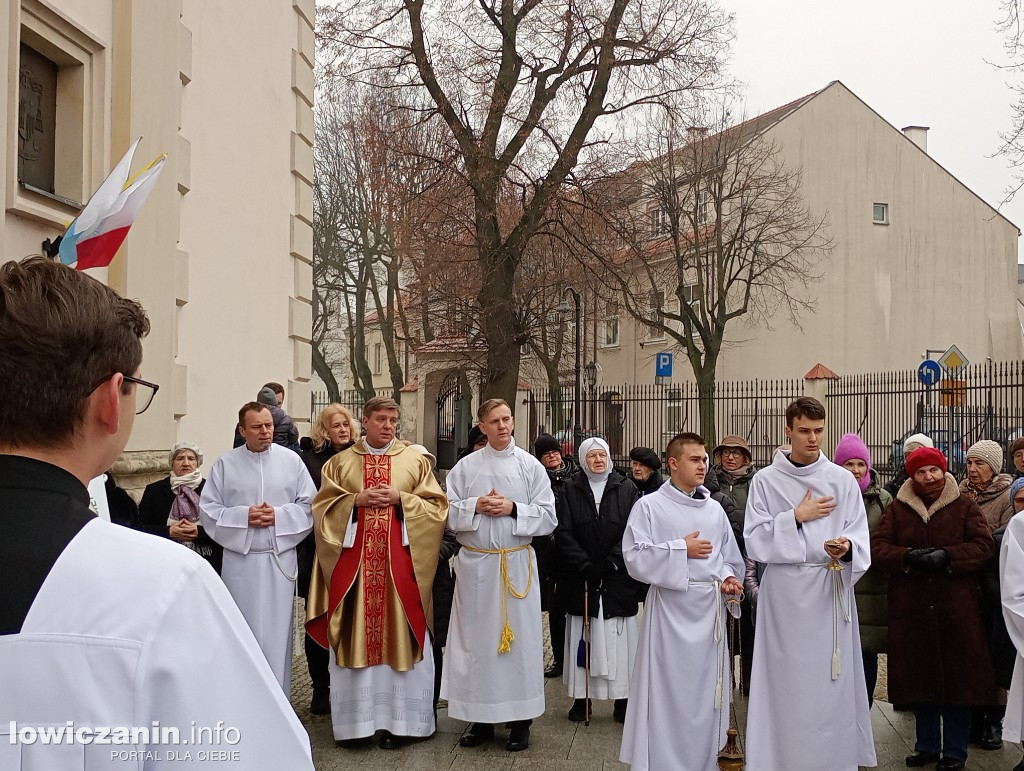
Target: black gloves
(929, 559)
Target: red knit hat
(925, 456)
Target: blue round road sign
(929, 372)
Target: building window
(691, 295)
(880, 214)
(611, 324)
(703, 206)
(657, 303)
(37, 119)
(378, 358)
(659, 221)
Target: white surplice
(679, 691)
(613, 643)
(128, 630)
(480, 684)
(1011, 587)
(808, 708)
(260, 564)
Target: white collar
(374, 451)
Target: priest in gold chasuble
(378, 521)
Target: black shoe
(518, 738)
(950, 764)
(320, 704)
(578, 712)
(922, 759)
(388, 741)
(479, 733)
(992, 736)
(619, 710)
(555, 671)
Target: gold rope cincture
(840, 602)
(506, 630)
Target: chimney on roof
(694, 133)
(918, 135)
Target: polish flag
(93, 238)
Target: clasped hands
(378, 497)
(494, 504)
(262, 515)
(183, 530)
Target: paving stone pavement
(556, 744)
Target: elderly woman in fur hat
(934, 541)
(170, 506)
(986, 484)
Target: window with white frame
(656, 299)
(378, 358)
(659, 221)
(880, 213)
(691, 295)
(611, 324)
(703, 206)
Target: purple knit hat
(852, 447)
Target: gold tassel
(506, 639)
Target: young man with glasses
(94, 617)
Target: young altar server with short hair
(680, 542)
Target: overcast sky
(913, 61)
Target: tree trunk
(326, 374)
(706, 405)
(500, 324)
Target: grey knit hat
(186, 446)
(988, 451)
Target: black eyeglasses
(144, 392)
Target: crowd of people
(417, 592)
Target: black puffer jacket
(735, 515)
(590, 546)
(444, 587)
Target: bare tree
(1012, 140)
(710, 227)
(523, 90)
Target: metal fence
(984, 402)
(351, 400)
(630, 416)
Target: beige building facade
(221, 254)
(934, 266)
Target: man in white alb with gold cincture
(494, 664)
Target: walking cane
(586, 652)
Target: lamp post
(590, 375)
(563, 308)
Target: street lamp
(563, 308)
(590, 375)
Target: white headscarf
(597, 481)
(188, 480)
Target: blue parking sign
(663, 364)
(929, 372)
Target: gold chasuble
(370, 595)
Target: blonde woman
(334, 430)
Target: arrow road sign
(929, 372)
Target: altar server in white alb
(1011, 587)
(680, 542)
(500, 499)
(806, 522)
(102, 627)
(257, 505)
